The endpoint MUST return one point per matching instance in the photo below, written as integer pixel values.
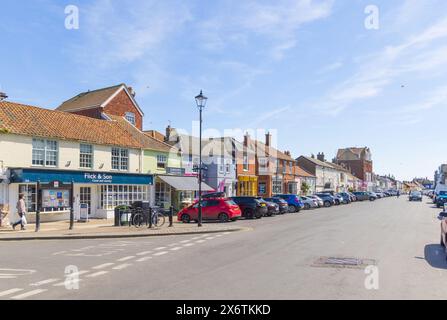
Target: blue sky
(309, 69)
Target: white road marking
(188, 245)
(172, 244)
(227, 233)
(176, 248)
(144, 259)
(126, 258)
(160, 253)
(41, 283)
(14, 273)
(58, 253)
(97, 274)
(160, 248)
(8, 292)
(71, 282)
(102, 266)
(144, 253)
(210, 238)
(185, 241)
(8, 277)
(200, 241)
(218, 236)
(29, 294)
(122, 266)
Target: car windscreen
(231, 202)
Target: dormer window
(130, 116)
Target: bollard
(150, 218)
(171, 214)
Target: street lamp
(201, 104)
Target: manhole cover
(341, 262)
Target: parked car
(365, 196)
(309, 203)
(415, 196)
(251, 207)
(346, 198)
(328, 200)
(221, 209)
(353, 197)
(441, 198)
(214, 195)
(338, 199)
(272, 208)
(320, 201)
(283, 206)
(294, 202)
(443, 218)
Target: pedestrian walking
(21, 210)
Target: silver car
(320, 201)
(309, 203)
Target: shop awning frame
(185, 183)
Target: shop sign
(98, 178)
(176, 171)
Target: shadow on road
(435, 256)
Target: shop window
(45, 153)
(277, 187)
(112, 196)
(86, 156)
(162, 194)
(29, 191)
(262, 188)
(120, 159)
(162, 161)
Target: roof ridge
(93, 91)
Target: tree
(305, 187)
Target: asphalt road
(276, 260)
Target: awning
(185, 183)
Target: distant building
(359, 162)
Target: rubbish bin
(120, 212)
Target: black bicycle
(141, 218)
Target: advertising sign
(55, 198)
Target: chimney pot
(268, 139)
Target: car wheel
(186, 218)
(223, 217)
(292, 209)
(307, 206)
(258, 215)
(327, 204)
(372, 199)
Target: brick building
(359, 162)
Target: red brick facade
(359, 168)
(92, 113)
(121, 104)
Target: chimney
(312, 156)
(3, 96)
(132, 92)
(268, 139)
(320, 157)
(168, 133)
(246, 139)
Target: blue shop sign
(80, 177)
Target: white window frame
(162, 159)
(46, 153)
(131, 118)
(83, 155)
(120, 159)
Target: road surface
(397, 241)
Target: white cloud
(420, 53)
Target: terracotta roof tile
(89, 99)
(37, 122)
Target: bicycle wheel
(159, 220)
(138, 220)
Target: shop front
(177, 191)
(99, 192)
(247, 186)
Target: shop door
(85, 197)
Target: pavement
(103, 229)
(397, 243)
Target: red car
(223, 210)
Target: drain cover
(340, 262)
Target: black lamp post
(201, 104)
